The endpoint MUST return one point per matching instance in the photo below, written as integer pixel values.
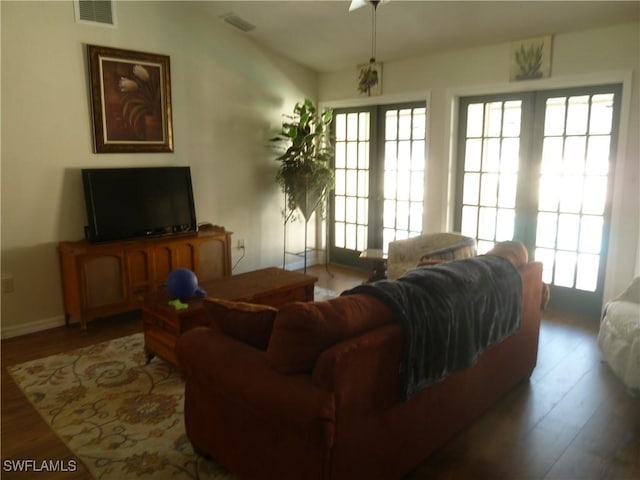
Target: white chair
(619, 335)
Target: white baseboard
(296, 261)
(31, 327)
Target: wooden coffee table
(163, 324)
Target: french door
(379, 178)
(537, 167)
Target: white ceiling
(325, 36)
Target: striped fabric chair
(427, 248)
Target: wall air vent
(96, 12)
(236, 21)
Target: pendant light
(369, 75)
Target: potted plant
(305, 172)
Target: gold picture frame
(131, 100)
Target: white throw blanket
(619, 336)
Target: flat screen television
(125, 203)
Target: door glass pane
(587, 277)
(493, 119)
(491, 164)
(489, 189)
(351, 180)
(391, 125)
(568, 231)
(505, 223)
(487, 220)
(469, 221)
(554, 116)
(573, 185)
(577, 115)
(507, 193)
(509, 157)
(574, 150)
(491, 157)
(601, 118)
(475, 113)
(549, 193)
(598, 155)
(352, 155)
(591, 234)
(565, 269)
(472, 155)
(351, 211)
(403, 173)
(405, 124)
(340, 155)
(352, 126)
(511, 123)
(571, 194)
(417, 156)
(595, 195)
(547, 257)
(546, 229)
(552, 149)
(471, 188)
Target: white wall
(607, 55)
(228, 99)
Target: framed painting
(131, 101)
(530, 58)
(370, 79)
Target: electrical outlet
(240, 244)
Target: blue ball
(182, 284)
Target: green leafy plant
(305, 172)
(529, 61)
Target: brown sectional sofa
(315, 392)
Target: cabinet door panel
(103, 280)
(139, 271)
(162, 263)
(212, 260)
(184, 256)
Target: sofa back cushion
(302, 331)
(250, 323)
(513, 250)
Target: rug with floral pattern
(121, 417)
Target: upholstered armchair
(428, 247)
(619, 335)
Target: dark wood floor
(572, 420)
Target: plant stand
(288, 215)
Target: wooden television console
(103, 279)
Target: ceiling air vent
(236, 21)
(97, 12)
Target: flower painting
(131, 96)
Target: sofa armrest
(362, 371)
(217, 365)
